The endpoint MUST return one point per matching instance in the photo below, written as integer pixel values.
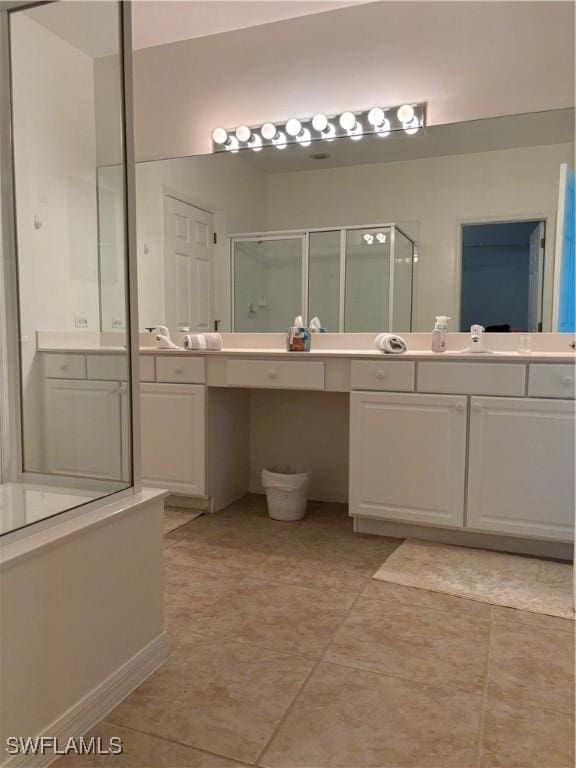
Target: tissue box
(298, 339)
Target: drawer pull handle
(381, 374)
(460, 406)
(567, 380)
(179, 369)
(272, 374)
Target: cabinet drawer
(472, 378)
(551, 380)
(107, 367)
(283, 375)
(147, 368)
(185, 370)
(385, 375)
(64, 366)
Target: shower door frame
(11, 446)
(288, 234)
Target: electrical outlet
(81, 322)
(117, 323)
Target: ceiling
(157, 22)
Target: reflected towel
(391, 343)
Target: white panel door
(173, 437)
(521, 467)
(188, 235)
(83, 429)
(407, 457)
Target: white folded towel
(213, 340)
(194, 341)
(391, 343)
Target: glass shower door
(367, 283)
(267, 283)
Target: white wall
(429, 197)
(228, 186)
(467, 60)
(55, 153)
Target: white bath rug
(526, 583)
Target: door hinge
(542, 242)
(215, 236)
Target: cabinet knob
(460, 406)
(63, 366)
(381, 374)
(272, 374)
(567, 380)
(179, 369)
(477, 407)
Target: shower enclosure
(355, 279)
(65, 421)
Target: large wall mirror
(371, 235)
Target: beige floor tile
(535, 620)
(222, 696)
(357, 719)
(325, 557)
(281, 617)
(139, 750)
(533, 666)
(395, 593)
(222, 554)
(526, 737)
(421, 644)
(175, 518)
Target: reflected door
(367, 300)
(187, 265)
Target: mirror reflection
(372, 235)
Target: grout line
(485, 693)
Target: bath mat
(513, 581)
(174, 517)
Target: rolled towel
(194, 341)
(391, 343)
(213, 340)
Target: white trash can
(286, 488)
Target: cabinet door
(173, 437)
(407, 457)
(521, 467)
(83, 428)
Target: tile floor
(287, 655)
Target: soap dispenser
(439, 333)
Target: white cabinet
(83, 428)
(521, 467)
(407, 457)
(173, 437)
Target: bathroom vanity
(439, 445)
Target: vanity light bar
(381, 121)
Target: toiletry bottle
(439, 333)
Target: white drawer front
(107, 367)
(64, 366)
(550, 380)
(281, 374)
(385, 375)
(180, 369)
(147, 368)
(481, 378)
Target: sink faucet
(476, 339)
(163, 336)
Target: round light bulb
(356, 133)
(368, 238)
(232, 144)
(243, 133)
(255, 143)
(348, 121)
(320, 122)
(293, 127)
(219, 136)
(412, 127)
(279, 141)
(268, 131)
(376, 116)
(405, 113)
(383, 130)
(381, 237)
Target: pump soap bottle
(439, 333)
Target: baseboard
(187, 502)
(90, 710)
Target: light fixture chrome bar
(379, 121)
